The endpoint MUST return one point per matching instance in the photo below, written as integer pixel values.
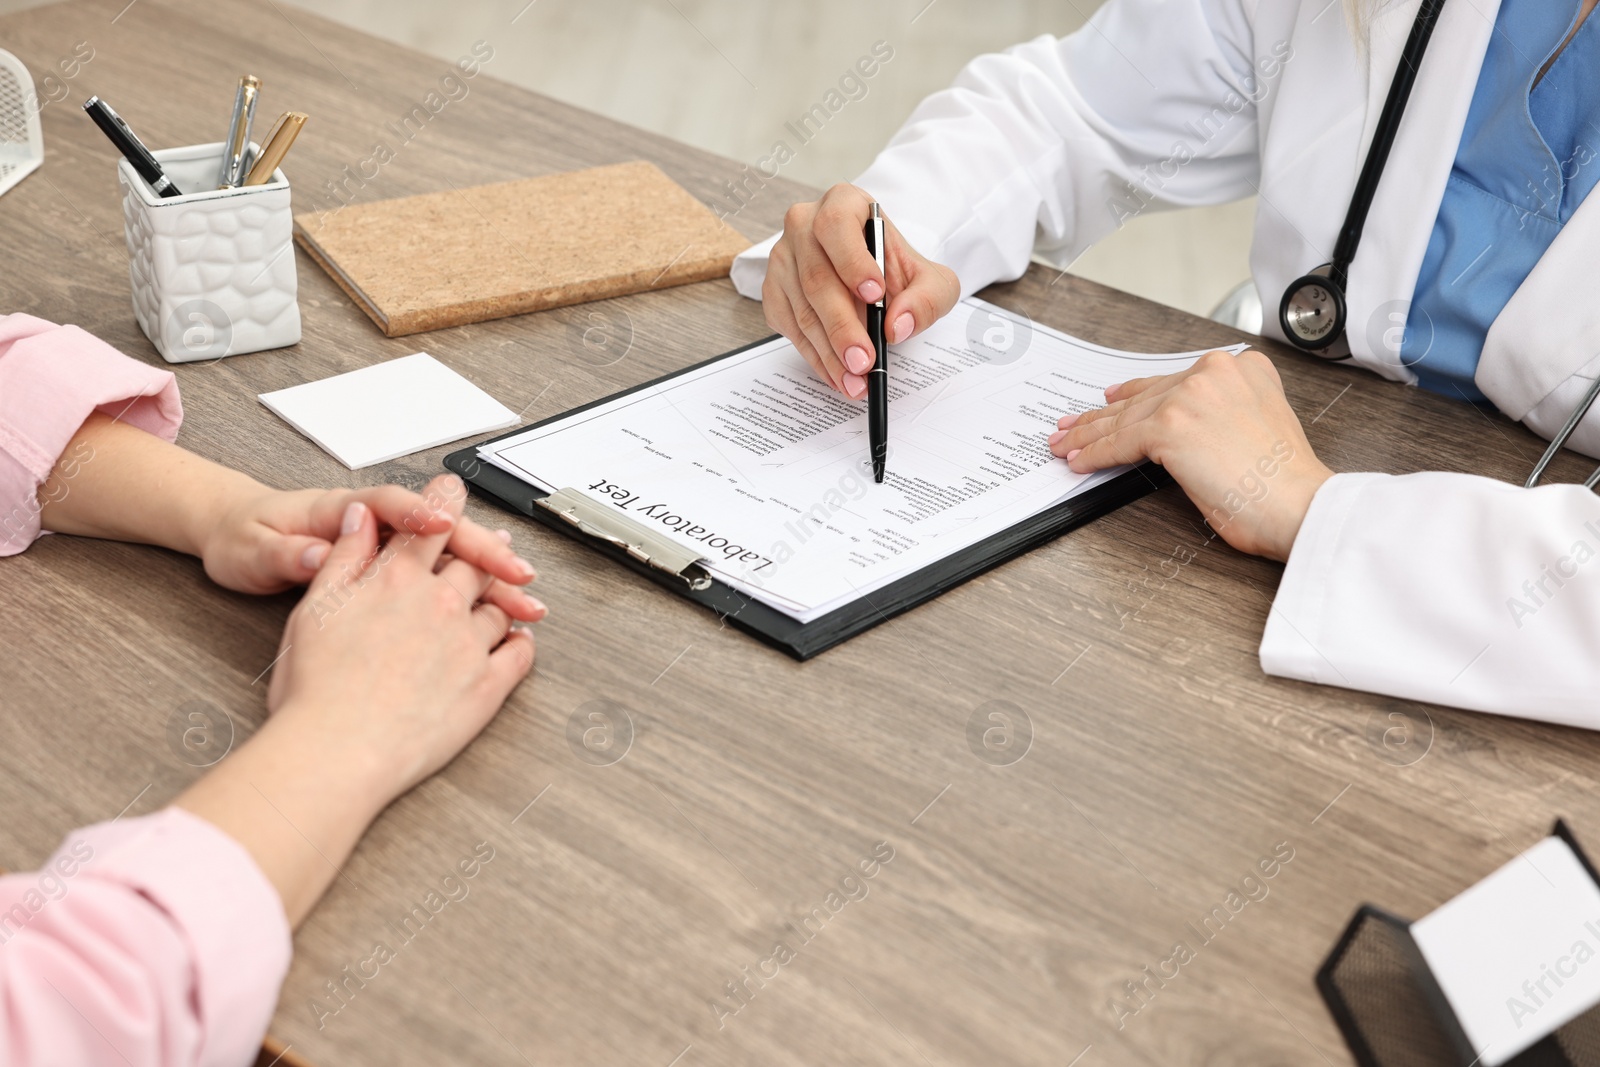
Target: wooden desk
(623, 899)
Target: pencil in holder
(213, 270)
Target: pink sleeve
(154, 942)
(51, 378)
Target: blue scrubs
(1529, 154)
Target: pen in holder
(213, 270)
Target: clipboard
(668, 564)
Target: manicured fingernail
(1111, 390)
(903, 327)
(1074, 452)
(353, 514)
(449, 519)
(537, 605)
(311, 559)
(1066, 421)
(857, 359)
(1058, 435)
(504, 535)
(525, 568)
(870, 291)
(855, 386)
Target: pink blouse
(51, 379)
(154, 941)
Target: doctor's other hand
(1225, 432)
(820, 278)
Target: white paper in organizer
(389, 410)
(1518, 954)
(213, 270)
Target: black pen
(128, 143)
(878, 376)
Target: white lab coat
(1411, 586)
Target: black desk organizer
(1392, 1012)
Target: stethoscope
(1313, 312)
(1560, 439)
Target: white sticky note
(389, 410)
(1518, 954)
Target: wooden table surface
(633, 888)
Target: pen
(132, 149)
(238, 142)
(878, 376)
(284, 131)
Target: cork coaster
(445, 259)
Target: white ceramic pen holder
(213, 270)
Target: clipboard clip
(634, 538)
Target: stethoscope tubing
(1366, 188)
(1383, 136)
(1559, 441)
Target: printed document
(762, 468)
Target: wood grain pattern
(452, 258)
(275, 1053)
(632, 905)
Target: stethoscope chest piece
(1312, 312)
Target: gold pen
(238, 143)
(284, 131)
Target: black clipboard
(767, 624)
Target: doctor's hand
(820, 278)
(1224, 431)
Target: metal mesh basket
(1392, 1013)
(1374, 984)
(21, 139)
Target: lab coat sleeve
(1446, 588)
(1151, 104)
